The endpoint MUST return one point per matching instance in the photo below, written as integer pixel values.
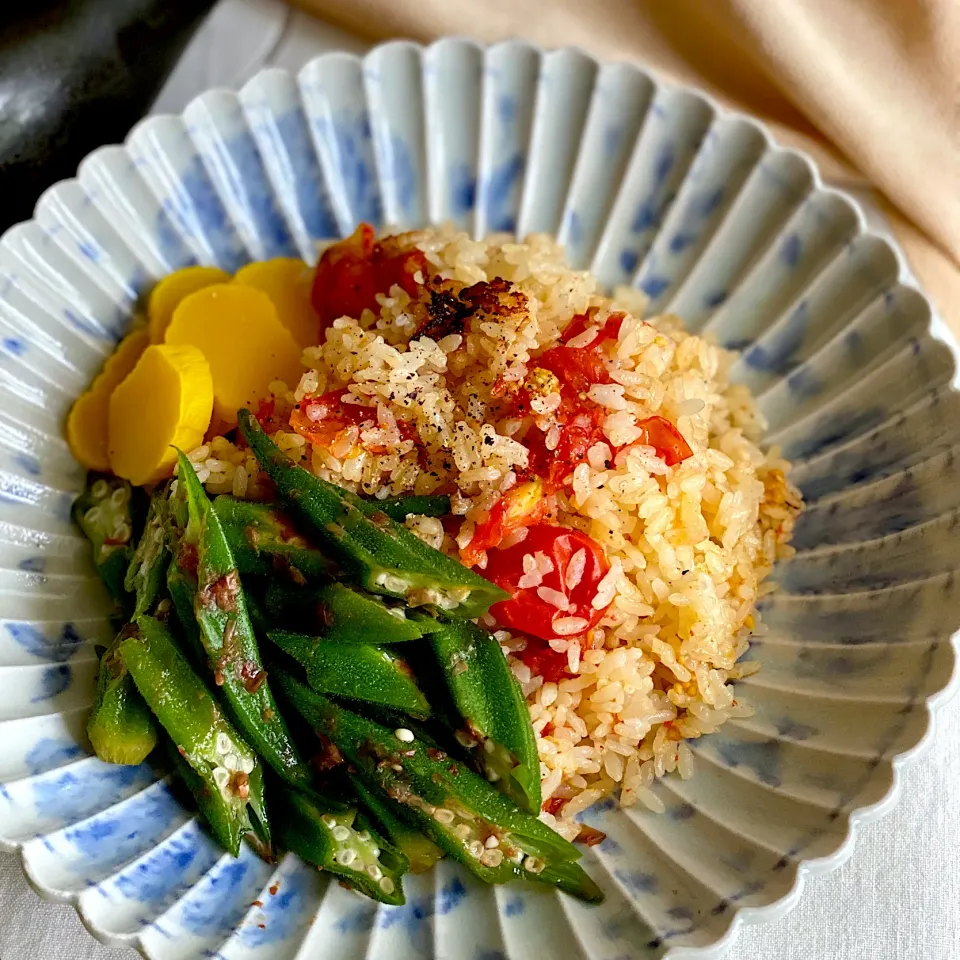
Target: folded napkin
(870, 88)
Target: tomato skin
(335, 417)
(577, 368)
(354, 270)
(544, 662)
(525, 611)
(522, 506)
(609, 331)
(666, 439)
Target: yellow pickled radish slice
(164, 403)
(167, 294)
(286, 281)
(236, 328)
(87, 422)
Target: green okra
(359, 672)
(399, 508)
(105, 514)
(336, 838)
(227, 634)
(494, 710)
(216, 810)
(120, 726)
(341, 614)
(421, 852)
(378, 553)
(263, 542)
(459, 810)
(148, 566)
(182, 588)
(229, 787)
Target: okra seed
(463, 831)
(328, 821)
(402, 733)
(247, 764)
(492, 858)
(386, 885)
(92, 515)
(493, 776)
(345, 857)
(375, 872)
(221, 776)
(224, 743)
(443, 815)
(341, 833)
(99, 489)
(374, 851)
(475, 849)
(488, 746)
(491, 842)
(533, 865)
(364, 835)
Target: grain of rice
(566, 626)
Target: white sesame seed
(492, 858)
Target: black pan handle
(76, 74)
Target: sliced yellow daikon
(164, 403)
(168, 293)
(87, 422)
(236, 328)
(286, 281)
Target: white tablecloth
(897, 898)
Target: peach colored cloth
(871, 88)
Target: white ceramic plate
(645, 184)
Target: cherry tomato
(609, 331)
(527, 611)
(322, 419)
(353, 271)
(545, 662)
(666, 439)
(577, 368)
(520, 507)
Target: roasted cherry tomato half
(565, 591)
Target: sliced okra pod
(341, 614)
(121, 727)
(216, 810)
(359, 672)
(380, 554)
(228, 637)
(421, 852)
(182, 587)
(458, 809)
(229, 784)
(104, 512)
(494, 710)
(264, 541)
(337, 838)
(148, 566)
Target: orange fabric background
(870, 88)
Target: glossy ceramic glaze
(647, 185)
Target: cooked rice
(689, 544)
